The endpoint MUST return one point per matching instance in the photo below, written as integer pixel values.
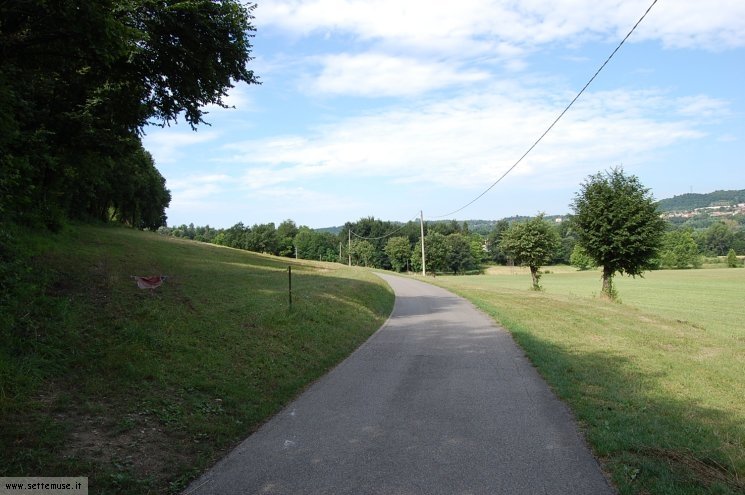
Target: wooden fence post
(289, 284)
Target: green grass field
(657, 382)
(142, 390)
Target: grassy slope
(658, 382)
(141, 390)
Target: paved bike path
(439, 401)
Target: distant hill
(683, 202)
(331, 230)
(691, 201)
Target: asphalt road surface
(439, 401)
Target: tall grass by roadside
(657, 382)
(142, 390)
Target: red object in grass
(151, 282)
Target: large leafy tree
(679, 250)
(435, 251)
(458, 256)
(398, 251)
(718, 239)
(493, 241)
(532, 243)
(364, 252)
(286, 233)
(79, 81)
(262, 238)
(617, 224)
(314, 245)
(375, 232)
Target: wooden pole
(421, 226)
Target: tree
(234, 236)
(493, 242)
(262, 239)
(458, 257)
(376, 233)
(580, 259)
(478, 253)
(398, 250)
(532, 243)
(679, 250)
(718, 239)
(435, 250)
(732, 261)
(617, 224)
(313, 245)
(80, 79)
(568, 241)
(286, 232)
(363, 251)
(188, 53)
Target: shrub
(732, 260)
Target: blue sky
(387, 107)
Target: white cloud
(728, 138)
(407, 48)
(449, 126)
(301, 204)
(169, 146)
(468, 141)
(481, 26)
(373, 74)
(195, 188)
(261, 178)
(717, 25)
(703, 106)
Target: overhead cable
(555, 121)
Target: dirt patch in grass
(135, 444)
(144, 449)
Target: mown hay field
(657, 381)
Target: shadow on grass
(650, 443)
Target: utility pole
(421, 227)
(349, 248)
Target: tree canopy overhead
(81, 79)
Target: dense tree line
(79, 82)
(616, 225)
(452, 248)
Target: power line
(555, 121)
